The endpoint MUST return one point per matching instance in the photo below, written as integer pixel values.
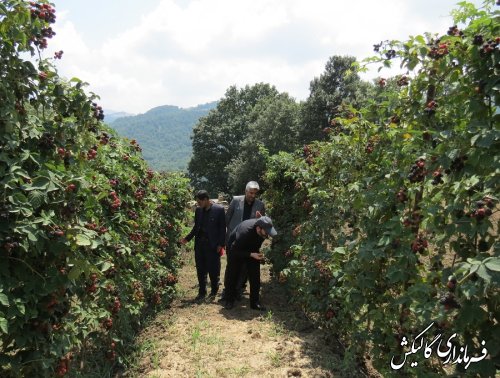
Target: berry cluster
(116, 201)
(307, 205)
(324, 271)
(114, 182)
(430, 108)
(63, 366)
(156, 299)
(58, 54)
(390, 54)
(91, 226)
(438, 177)
(138, 292)
(417, 171)
(478, 40)
(139, 194)
(438, 49)
(401, 195)
(98, 112)
(452, 283)
(110, 353)
(46, 141)
(395, 119)
(403, 81)
(92, 153)
(171, 279)
(135, 237)
(457, 164)
(296, 230)
(164, 242)
(107, 323)
(369, 147)
(329, 314)
(150, 173)
(116, 306)
(455, 31)
(308, 154)
(42, 76)
(92, 287)
(489, 47)
(71, 188)
(10, 244)
(382, 82)
(416, 216)
(134, 143)
(132, 215)
(419, 245)
(45, 13)
(448, 301)
(483, 209)
(104, 139)
(55, 231)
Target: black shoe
(258, 307)
(229, 305)
(200, 297)
(213, 294)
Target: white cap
(252, 185)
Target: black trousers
(207, 262)
(233, 273)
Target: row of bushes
(392, 224)
(87, 231)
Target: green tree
(339, 84)
(275, 129)
(217, 138)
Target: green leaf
(4, 300)
(340, 250)
(106, 266)
(39, 183)
(493, 264)
(83, 240)
(4, 325)
(36, 198)
(75, 272)
(483, 273)
(20, 306)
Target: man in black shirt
(243, 246)
(209, 231)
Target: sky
(137, 55)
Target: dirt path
(206, 340)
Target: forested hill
(163, 134)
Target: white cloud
(189, 52)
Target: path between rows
(206, 340)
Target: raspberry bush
(393, 222)
(86, 229)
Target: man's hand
(257, 256)
(258, 214)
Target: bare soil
(205, 340)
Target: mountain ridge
(164, 133)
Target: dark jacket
(244, 239)
(216, 227)
(234, 214)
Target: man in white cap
(244, 247)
